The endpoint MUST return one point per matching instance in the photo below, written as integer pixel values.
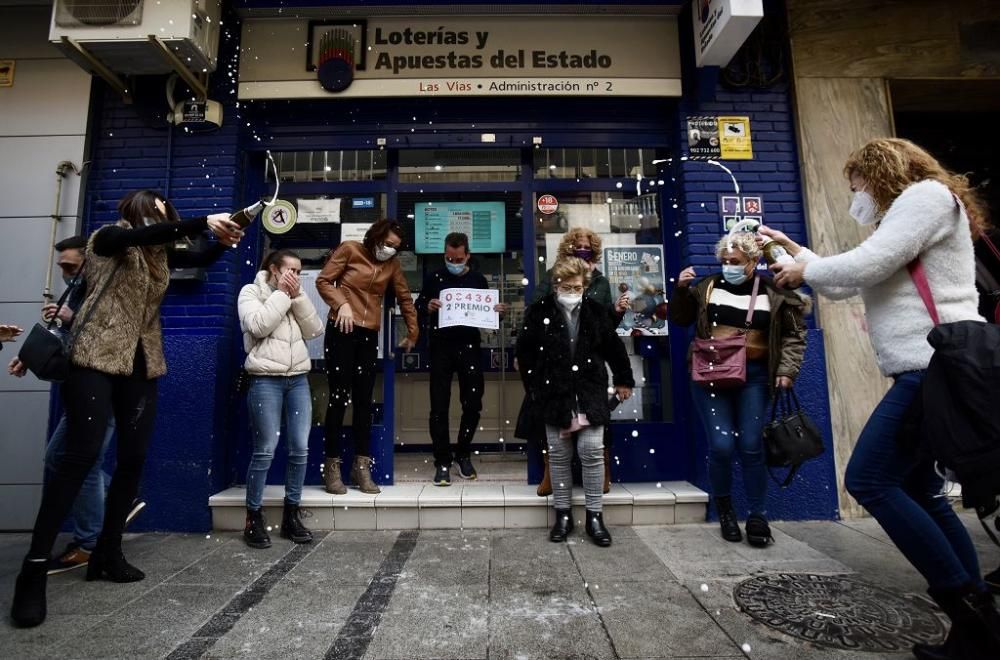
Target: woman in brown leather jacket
(353, 283)
(116, 359)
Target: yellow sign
(6, 73)
(734, 138)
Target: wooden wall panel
(894, 39)
(835, 116)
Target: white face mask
(864, 209)
(384, 252)
(569, 300)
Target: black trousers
(446, 360)
(90, 397)
(351, 370)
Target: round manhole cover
(839, 611)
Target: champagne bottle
(775, 253)
(246, 216)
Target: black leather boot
(255, 532)
(563, 526)
(107, 560)
(758, 531)
(596, 529)
(727, 519)
(28, 609)
(975, 625)
(291, 525)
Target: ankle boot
(607, 470)
(291, 525)
(255, 531)
(727, 519)
(361, 475)
(596, 529)
(545, 488)
(975, 625)
(758, 531)
(108, 561)
(331, 477)
(28, 609)
(563, 526)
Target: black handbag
(45, 353)
(790, 438)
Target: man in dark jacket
(453, 349)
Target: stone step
(465, 505)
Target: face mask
(735, 275)
(585, 254)
(863, 208)
(455, 269)
(384, 252)
(569, 300)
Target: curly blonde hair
(890, 165)
(570, 238)
(568, 268)
(743, 241)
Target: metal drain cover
(839, 611)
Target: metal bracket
(198, 84)
(106, 74)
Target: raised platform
(465, 505)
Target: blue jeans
(87, 513)
(733, 419)
(268, 397)
(888, 476)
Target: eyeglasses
(570, 289)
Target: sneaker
(72, 557)
(441, 476)
(137, 506)
(465, 468)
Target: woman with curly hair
(920, 210)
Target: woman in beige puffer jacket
(276, 319)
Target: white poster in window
(469, 307)
(354, 231)
(319, 210)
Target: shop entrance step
(465, 505)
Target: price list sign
(483, 222)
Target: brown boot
(545, 488)
(361, 475)
(607, 470)
(331, 477)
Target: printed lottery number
(479, 298)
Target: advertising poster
(483, 222)
(703, 138)
(637, 272)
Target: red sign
(548, 204)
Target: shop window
(593, 163)
(459, 165)
(330, 166)
(630, 227)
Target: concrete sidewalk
(659, 592)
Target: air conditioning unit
(117, 33)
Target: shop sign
(721, 27)
(363, 203)
(719, 138)
(548, 204)
(7, 73)
(279, 217)
(460, 56)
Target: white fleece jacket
(924, 221)
(275, 328)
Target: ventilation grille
(98, 13)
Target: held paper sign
(469, 307)
(319, 210)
